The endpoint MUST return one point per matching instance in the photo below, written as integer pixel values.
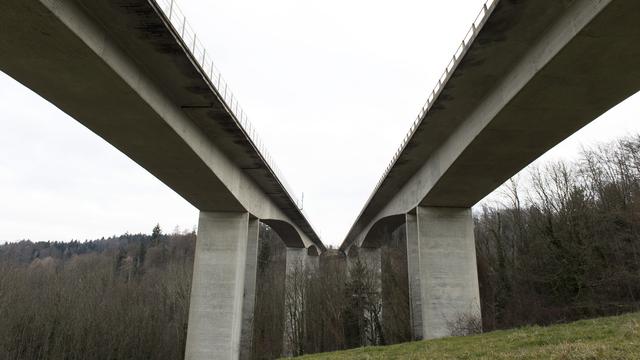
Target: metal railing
(451, 66)
(193, 44)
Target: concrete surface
(536, 72)
(249, 297)
(118, 68)
(413, 272)
(221, 298)
(447, 268)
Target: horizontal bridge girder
(118, 68)
(535, 72)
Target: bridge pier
(312, 260)
(441, 261)
(296, 260)
(296, 268)
(301, 263)
(223, 287)
(372, 259)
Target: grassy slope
(605, 338)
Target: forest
(557, 243)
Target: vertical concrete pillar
(312, 263)
(225, 255)
(312, 260)
(446, 267)
(296, 259)
(293, 302)
(372, 258)
(249, 300)
(413, 271)
(351, 256)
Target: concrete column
(224, 258)
(295, 267)
(446, 267)
(351, 256)
(371, 258)
(248, 307)
(296, 259)
(413, 271)
(312, 261)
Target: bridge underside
(121, 70)
(534, 73)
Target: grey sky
(332, 87)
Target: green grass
(615, 337)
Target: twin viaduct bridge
(527, 75)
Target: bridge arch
(286, 232)
(351, 252)
(313, 250)
(381, 230)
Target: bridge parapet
(191, 42)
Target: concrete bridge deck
(529, 74)
(121, 69)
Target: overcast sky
(331, 85)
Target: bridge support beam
(312, 260)
(372, 259)
(223, 287)
(413, 271)
(296, 260)
(301, 264)
(296, 264)
(443, 278)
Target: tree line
(124, 297)
(564, 243)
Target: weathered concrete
(351, 256)
(372, 260)
(413, 272)
(446, 269)
(294, 293)
(249, 299)
(531, 75)
(122, 71)
(296, 259)
(536, 72)
(222, 291)
(312, 260)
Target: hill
(616, 337)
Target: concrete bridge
(128, 72)
(527, 75)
